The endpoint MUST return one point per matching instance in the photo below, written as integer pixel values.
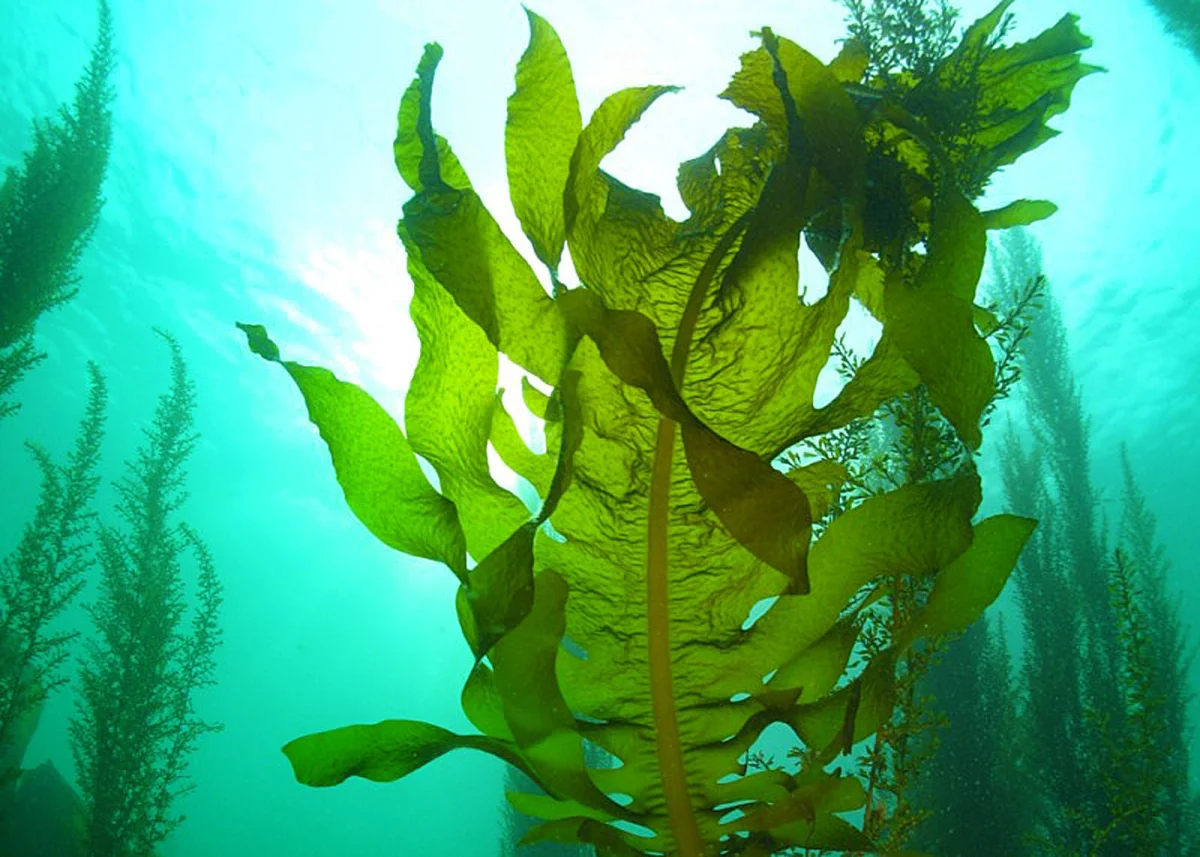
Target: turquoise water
(251, 180)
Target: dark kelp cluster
(49, 208)
(1084, 750)
(1182, 20)
(152, 647)
(681, 366)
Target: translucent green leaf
(375, 465)
(481, 703)
(541, 721)
(537, 468)
(933, 319)
(618, 236)
(1020, 213)
(382, 752)
(973, 581)
(499, 591)
(410, 148)
(448, 410)
(540, 136)
(462, 247)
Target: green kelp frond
(681, 366)
(978, 107)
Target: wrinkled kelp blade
(462, 247)
(375, 465)
(447, 410)
(933, 319)
(409, 148)
(540, 135)
(973, 581)
(763, 510)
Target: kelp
(681, 366)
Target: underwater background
(251, 179)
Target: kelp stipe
(681, 367)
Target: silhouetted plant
(902, 37)
(1182, 20)
(1069, 670)
(1105, 662)
(1135, 766)
(973, 785)
(45, 572)
(135, 725)
(1157, 659)
(49, 208)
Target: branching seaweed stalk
(135, 724)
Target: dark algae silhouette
(40, 579)
(1084, 748)
(682, 366)
(1105, 652)
(1182, 20)
(49, 208)
(154, 646)
(136, 724)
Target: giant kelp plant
(49, 208)
(682, 365)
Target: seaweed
(1103, 699)
(681, 367)
(49, 209)
(42, 577)
(1070, 677)
(1159, 649)
(1181, 19)
(135, 722)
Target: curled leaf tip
(260, 343)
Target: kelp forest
(722, 612)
